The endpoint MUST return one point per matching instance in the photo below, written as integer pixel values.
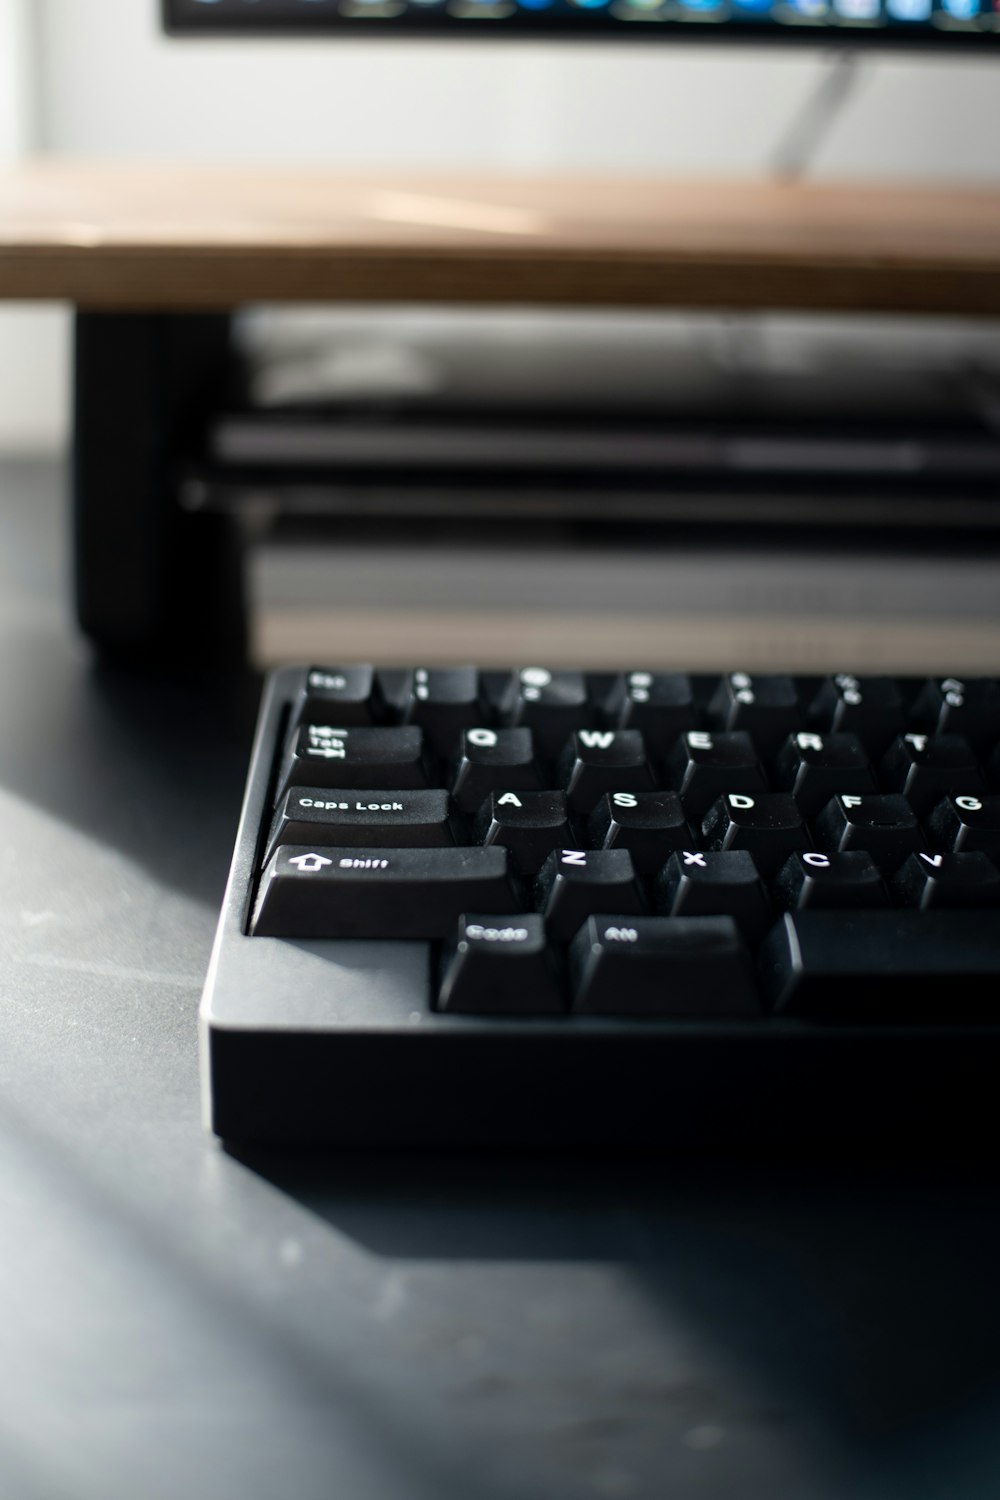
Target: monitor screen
(941, 23)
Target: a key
(885, 826)
(375, 819)
(529, 824)
(333, 892)
(551, 704)
(695, 968)
(389, 759)
(443, 701)
(596, 761)
(768, 825)
(870, 707)
(341, 695)
(695, 883)
(650, 825)
(884, 966)
(924, 768)
(948, 880)
(819, 880)
(966, 821)
(966, 706)
(491, 760)
(766, 706)
(501, 966)
(706, 765)
(574, 883)
(659, 704)
(815, 767)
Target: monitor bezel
(430, 25)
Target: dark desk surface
(175, 1322)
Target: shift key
(330, 892)
(319, 815)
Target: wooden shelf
(157, 238)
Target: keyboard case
(334, 1042)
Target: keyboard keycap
(769, 826)
(885, 826)
(529, 824)
(966, 706)
(494, 760)
(660, 704)
(924, 768)
(443, 701)
(379, 893)
(948, 880)
(395, 820)
(650, 825)
(706, 765)
(551, 704)
(966, 821)
(706, 884)
(870, 707)
(501, 966)
(694, 968)
(893, 966)
(767, 707)
(342, 696)
(574, 883)
(826, 881)
(385, 759)
(815, 767)
(596, 761)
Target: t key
(924, 768)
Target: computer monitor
(940, 24)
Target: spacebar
(892, 966)
(379, 893)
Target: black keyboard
(649, 908)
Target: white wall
(109, 84)
(33, 341)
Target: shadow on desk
(866, 1292)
